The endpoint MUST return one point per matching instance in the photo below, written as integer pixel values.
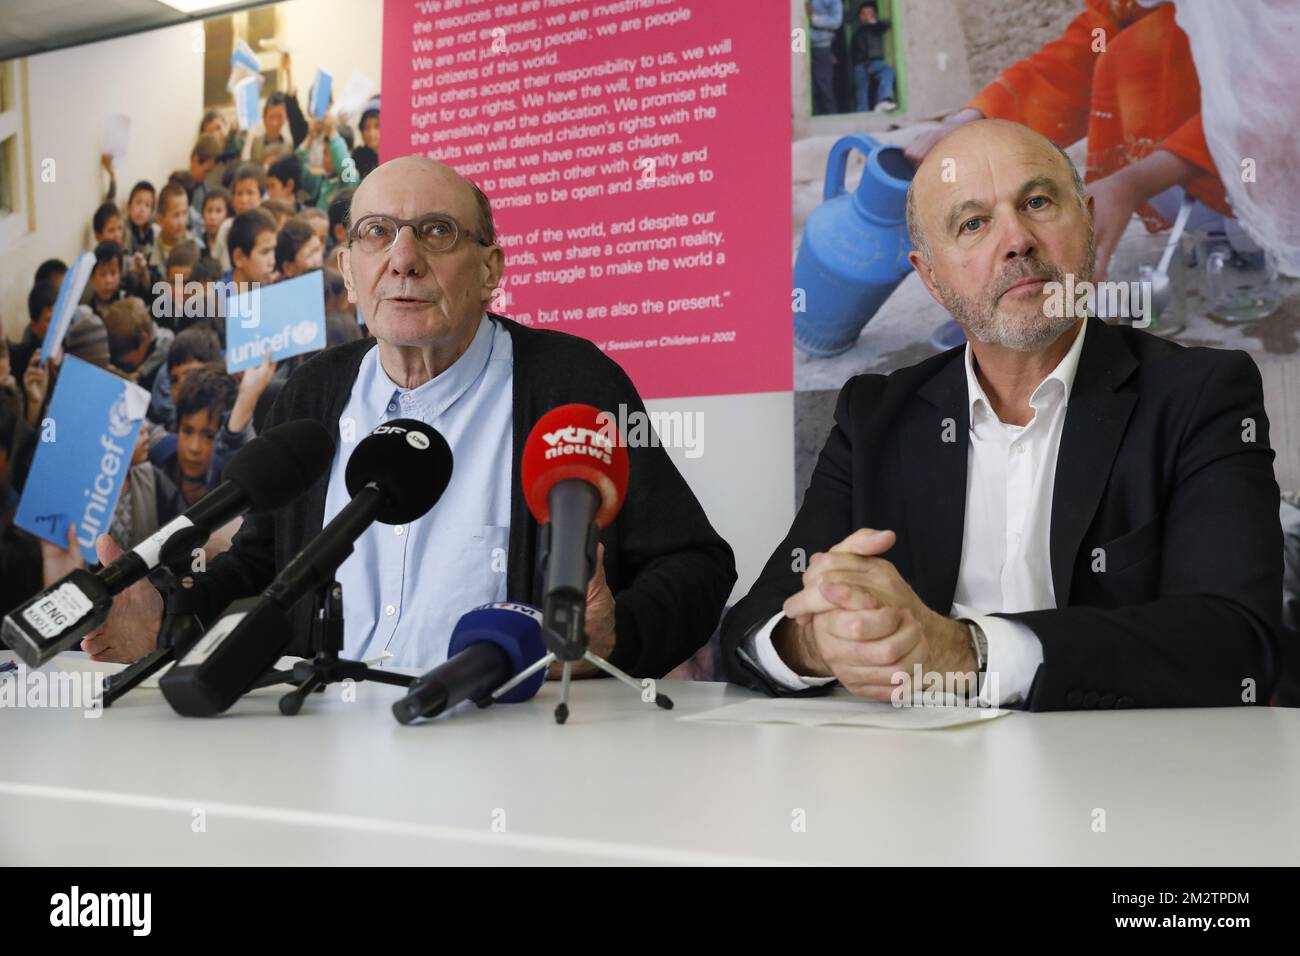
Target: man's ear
(344, 262)
(926, 272)
(493, 265)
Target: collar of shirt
(1044, 395)
(425, 402)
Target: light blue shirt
(405, 586)
(826, 18)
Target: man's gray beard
(985, 323)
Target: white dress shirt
(1006, 563)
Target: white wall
(744, 476)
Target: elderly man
(1062, 513)
(421, 262)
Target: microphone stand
(326, 667)
(567, 642)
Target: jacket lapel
(1095, 419)
(932, 470)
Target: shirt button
(398, 529)
(392, 406)
(390, 610)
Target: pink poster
(637, 156)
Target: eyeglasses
(436, 232)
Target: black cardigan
(668, 569)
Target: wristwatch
(979, 644)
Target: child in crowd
(281, 211)
(319, 221)
(217, 208)
(203, 159)
(337, 210)
(107, 224)
(207, 272)
(252, 247)
(40, 306)
(181, 261)
(7, 380)
(283, 179)
(148, 500)
(105, 285)
(51, 271)
(214, 122)
(246, 182)
(139, 213)
(336, 294)
(20, 553)
(280, 110)
(195, 346)
(173, 227)
(366, 155)
(319, 185)
(87, 340)
(136, 345)
(297, 249)
(214, 420)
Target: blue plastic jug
(854, 248)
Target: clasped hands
(857, 620)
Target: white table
(624, 782)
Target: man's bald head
(420, 168)
(413, 293)
(998, 218)
(981, 135)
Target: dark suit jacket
(1159, 464)
(669, 571)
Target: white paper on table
(117, 130)
(844, 712)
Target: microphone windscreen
(409, 461)
(281, 463)
(575, 441)
(517, 630)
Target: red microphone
(574, 474)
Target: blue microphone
(489, 645)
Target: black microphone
(395, 475)
(489, 645)
(266, 474)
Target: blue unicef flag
(320, 93)
(243, 55)
(85, 451)
(246, 94)
(285, 319)
(74, 284)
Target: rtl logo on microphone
(77, 909)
